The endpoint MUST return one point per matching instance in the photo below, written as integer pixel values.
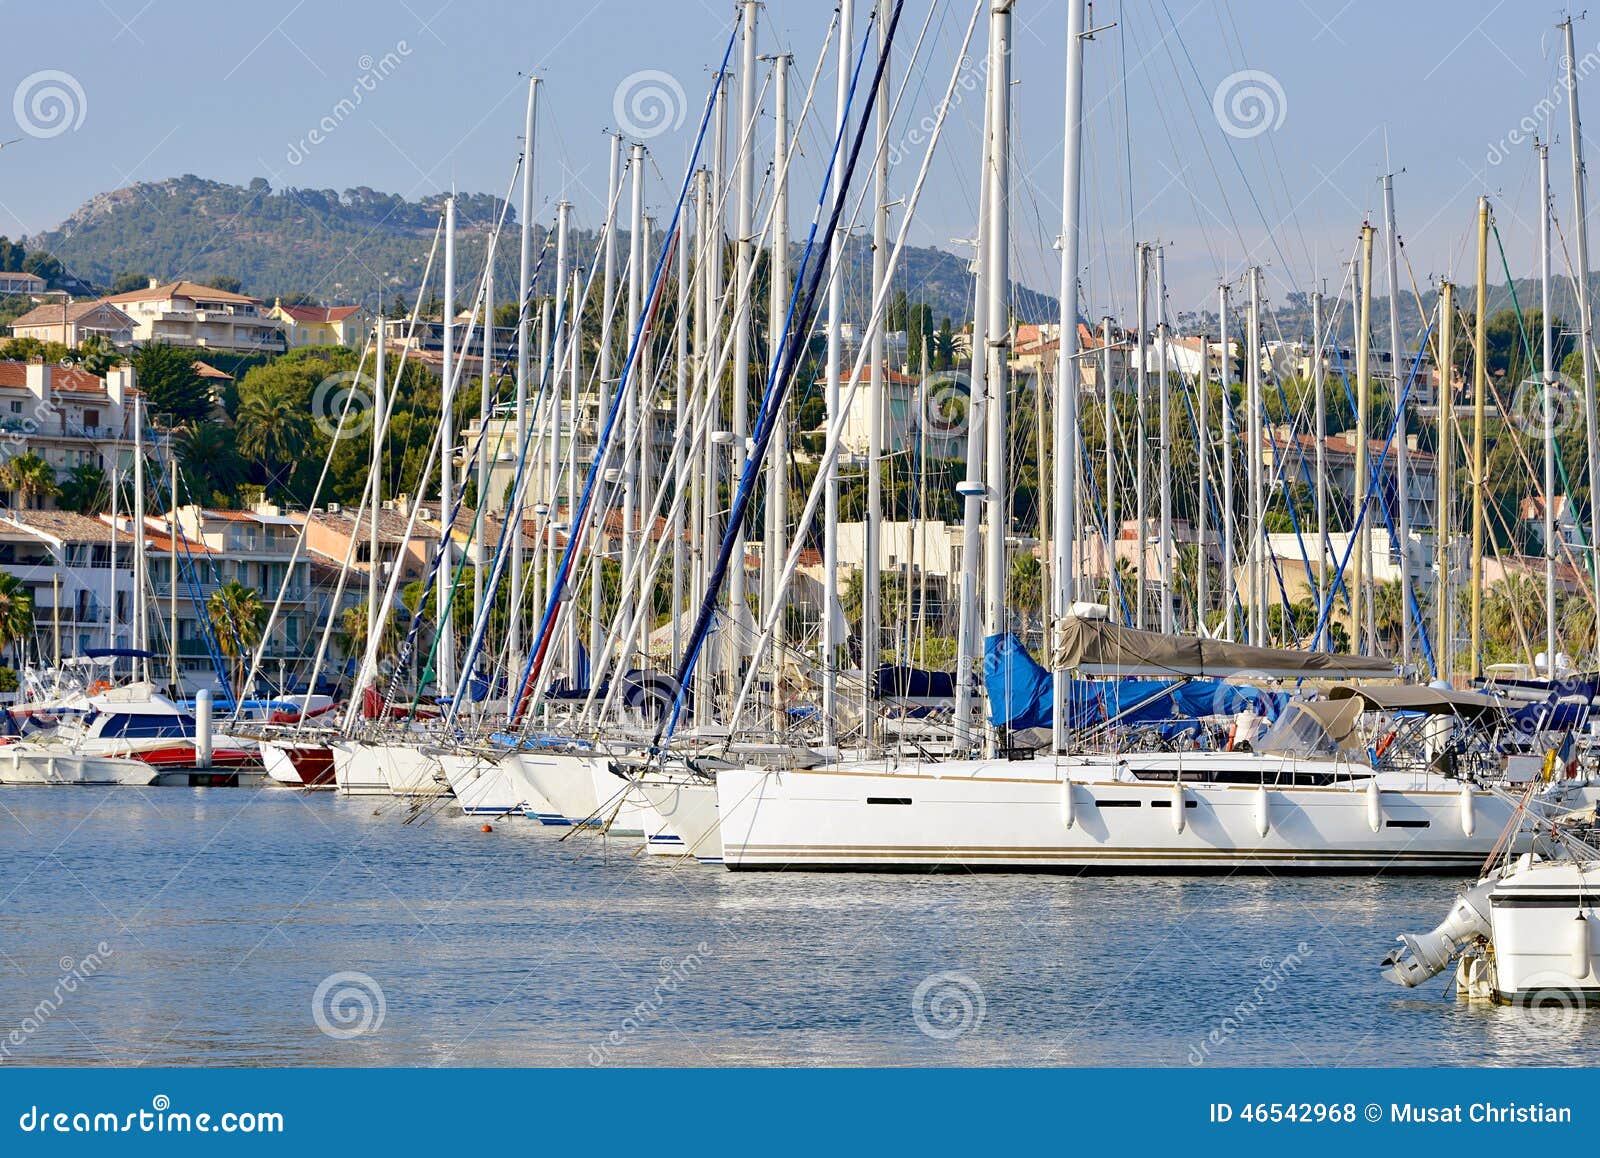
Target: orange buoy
(487, 828)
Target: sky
(1235, 133)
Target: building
(320, 325)
(67, 416)
(255, 548)
(185, 313)
(76, 569)
(331, 528)
(16, 282)
(71, 322)
(1293, 457)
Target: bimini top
(1428, 701)
(1099, 647)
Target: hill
(336, 246)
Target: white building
(185, 313)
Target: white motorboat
(28, 763)
(1524, 934)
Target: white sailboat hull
(996, 816)
(581, 790)
(481, 784)
(681, 819)
(387, 769)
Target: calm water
(194, 927)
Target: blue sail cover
(1020, 694)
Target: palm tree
(272, 428)
(237, 617)
(16, 611)
(85, 490)
(210, 460)
(1513, 616)
(353, 633)
(1577, 624)
(1025, 587)
(1388, 613)
(29, 477)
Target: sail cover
(1100, 647)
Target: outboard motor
(1425, 956)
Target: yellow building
(320, 325)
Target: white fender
(1178, 806)
(1068, 808)
(1263, 811)
(1374, 807)
(1469, 816)
(1579, 967)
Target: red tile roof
(73, 378)
(317, 313)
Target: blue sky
(1441, 94)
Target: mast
(631, 530)
(1164, 438)
(1320, 386)
(1580, 206)
(1548, 376)
(777, 545)
(1065, 466)
(608, 306)
(574, 377)
(1362, 558)
(1228, 418)
(830, 524)
(172, 589)
(872, 561)
(1401, 448)
(111, 575)
(1112, 529)
(1258, 504)
(541, 509)
(444, 670)
(141, 606)
(524, 351)
(684, 411)
(555, 370)
(971, 488)
(485, 403)
(1442, 479)
(1480, 388)
(374, 539)
(1141, 437)
(745, 253)
(998, 241)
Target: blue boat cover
(1020, 694)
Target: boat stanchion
(202, 728)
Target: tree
(97, 355)
(273, 428)
(166, 375)
(211, 462)
(1025, 587)
(84, 490)
(237, 618)
(30, 478)
(352, 634)
(16, 612)
(128, 281)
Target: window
(91, 418)
(16, 407)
